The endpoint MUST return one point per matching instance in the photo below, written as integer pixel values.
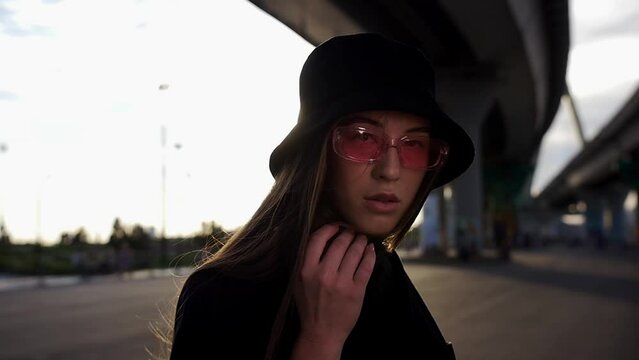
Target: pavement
(12, 282)
(551, 303)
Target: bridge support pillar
(430, 229)
(618, 223)
(595, 219)
(468, 103)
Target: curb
(10, 282)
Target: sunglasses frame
(388, 143)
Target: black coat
(221, 317)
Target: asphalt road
(556, 305)
(542, 305)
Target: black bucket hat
(363, 72)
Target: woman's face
(373, 196)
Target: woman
(314, 273)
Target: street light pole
(163, 240)
(38, 238)
(163, 140)
(39, 208)
(163, 87)
(3, 149)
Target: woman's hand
(330, 290)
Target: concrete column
(617, 232)
(430, 228)
(468, 103)
(448, 211)
(468, 197)
(438, 228)
(595, 219)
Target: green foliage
(5, 238)
(78, 238)
(504, 181)
(33, 260)
(74, 255)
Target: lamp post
(163, 240)
(177, 146)
(163, 143)
(39, 208)
(3, 149)
(163, 87)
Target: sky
(81, 112)
(82, 107)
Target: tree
(80, 237)
(140, 238)
(65, 238)
(118, 234)
(5, 239)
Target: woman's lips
(383, 203)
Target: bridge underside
(514, 50)
(500, 70)
(610, 159)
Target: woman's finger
(365, 268)
(353, 257)
(336, 251)
(317, 242)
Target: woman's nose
(387, 167)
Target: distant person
(314, 273)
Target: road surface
(551, 304)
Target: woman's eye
(414, 143)
(364, 136)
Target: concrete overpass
(500, 69)
(600, 176)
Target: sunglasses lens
(415, 152)
(358, 144)
(422, 152)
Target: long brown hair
(274, 239)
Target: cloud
(559, 146)
(563, 128)
(596, 111)
(7, 96)
(627, 25)
(595, 20)
(9, 26)
(552, 159)
(600, 66)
